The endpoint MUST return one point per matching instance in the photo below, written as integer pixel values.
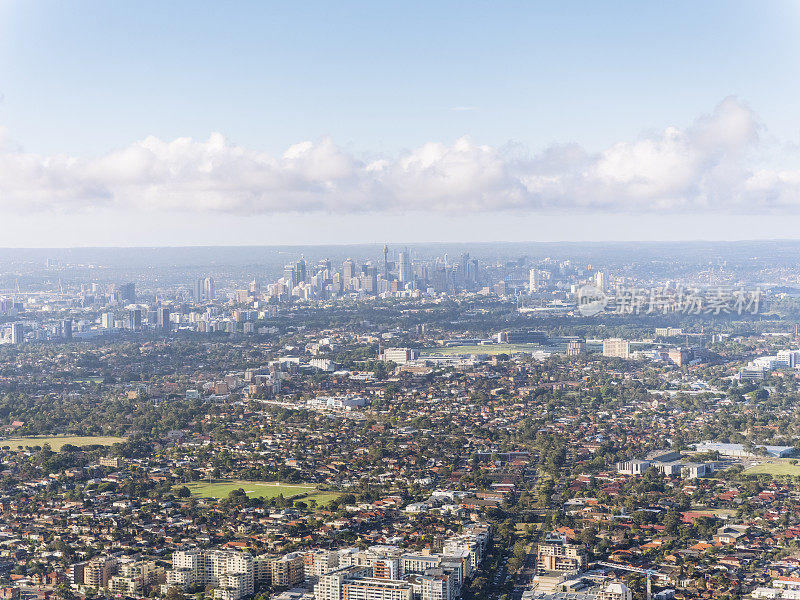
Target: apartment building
(229, 571)
(329, 586)
(371, 588)
(617, 347)
(95, 573)
(561, 556)
(318, 562)
(134, 576)
(287, 570)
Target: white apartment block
(133, 576)
(229, 571)
(329, 586)
(370, 588)
(319, 562)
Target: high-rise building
(135, 319)
(600, 280)
(163, 319)
(288, 570)
(98, 571)
(466, 276)
(229, 571)
(107, 320)
(209, 293)
(197, 290)
(300, 268)
(66, 329)
(127, 294)
(536, 281)
(560, 555)
(617, 347)
(17, 333)
(290, 276)
(348, 272)
(404, 274)
(373, 588)
(369, 279)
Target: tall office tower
(301, 270)
(440, 279)
(405, 275)
(348, 272)
(255, 288)
(369, 279)
(135, 319)
(336, 283)
(197, 290)
(163, 319)
(473, 273)
(66, 329)
(127, 294)
(290, 276)
(600, 280)
(536, 281)
(208, 289)
(324, 264)
(386, 262)
(465, 272)
(17, 333)
(107, 320)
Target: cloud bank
(709, 166)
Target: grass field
(775, 467)
(491, 349)
(220, 488)
(57, 441)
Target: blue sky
(380, 81)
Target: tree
(64, 591)
(175, 593)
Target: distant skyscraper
(17, 333)
(163, 319)
(404, 274)
(369, 279)
(127, 294)
(600, 280)
(209, 293)
(536, 280)
(348, 272)
(66, 329)
(301, 270)
(466, 273)
(197, 290)
(290, 276)
(107, 320)
(135, 319)
(386, 262)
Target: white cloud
(708, 166)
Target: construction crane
(647, 572)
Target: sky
(190, 122)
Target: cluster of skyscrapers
(371, 278)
